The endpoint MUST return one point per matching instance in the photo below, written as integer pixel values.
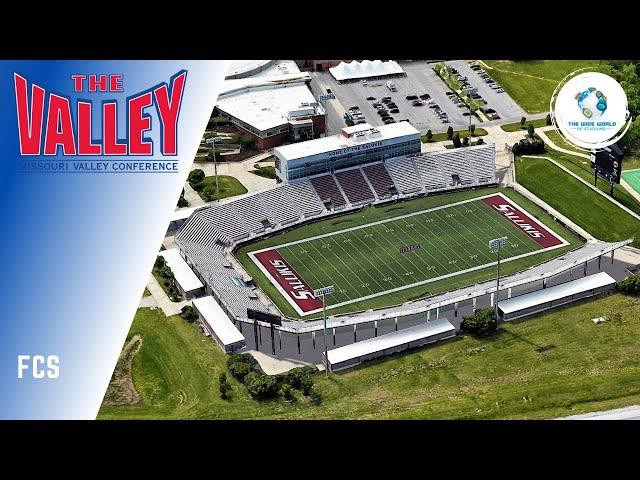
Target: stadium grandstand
(209, 235)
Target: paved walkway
(626, 413)
(168, 307)
(274, 366)
(147, 302)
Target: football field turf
(632, 177)
(399, 253)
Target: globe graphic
(592, 103)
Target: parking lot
(420, 80)
(502, 103)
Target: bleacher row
(209, 231)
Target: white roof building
(545, 298)
(351, 137)
(365, 69)
(265, 103)
(220, 327)
(187, 280)
(355, 353)
(251, 68)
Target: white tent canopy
(365, 69)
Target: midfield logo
(48, 126)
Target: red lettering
(110, 130)
(85, 145)
(139, 123)
(168, 110)
(59, 127)
(29, 117)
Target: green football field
(632, 177)
(389, 256)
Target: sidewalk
(168, 307)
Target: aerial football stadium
(399, 236)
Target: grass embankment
(531, 83)
(591, 211)
(517, 126)
(550, 365)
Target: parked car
(394, 110)
(411, 97)
(371, 98)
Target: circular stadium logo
(590, 110)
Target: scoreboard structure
(607, 165)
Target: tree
(306, 384)
(531, 130)
(260, 385)
(189, 313)
(523, 120)
(630, 286)
(223, 385)
(210, 193)
(465, 141)
(472, 129)
(480, 141)
(428, 135)
(160, 262)
(449, 132)
(481, 323)
(456, 140)
(195, 176)
(548, 119)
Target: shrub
(223, 385)
(239, 370)
(428, 135)
(306, 384)
(287, 391)
(528, 146)
(481, 323)
(630, 286)
(472, 129)
(189, 313)
(260, 385)
(523, 120)
(195, 176)
(160, 262)
(548, 119)
(465, 142)
(531, 129)
(456, 140)
(480, 141)
(450, 133)
(294, 377)
(182, 202)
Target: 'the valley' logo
(48, 125)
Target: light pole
(212, 141)
(321, 292)
(495, 245)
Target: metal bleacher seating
(355, 186)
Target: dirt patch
(121, 390)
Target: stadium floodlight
(495, 245)
(212, 141)
(322, 292)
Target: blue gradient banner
(89, 174)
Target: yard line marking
(371, 277)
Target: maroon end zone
(531, 227)
(296, 289)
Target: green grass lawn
(146, 293)
(372, 214)
(533, 94)
(516, 127)
(559, 140)
(441, 137)
(581, 167)
(547, 366)
(591, 211)
(229, 187)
